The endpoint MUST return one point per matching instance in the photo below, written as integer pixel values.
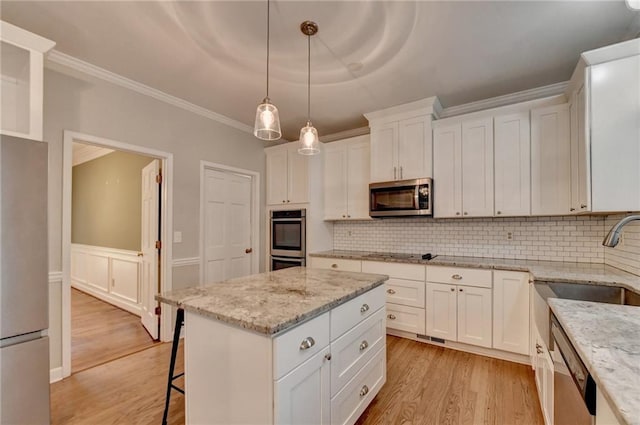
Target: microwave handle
(416, 197)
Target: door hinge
(158, 244)
(159, 178)
(158, 311)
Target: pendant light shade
(267, 124)
(309, 142)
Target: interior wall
(77, 102)
(106, 205)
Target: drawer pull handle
(307, 343)
(390, 291)
(334, 266)
(364, 391)
(364, 345)
(391, 316)
(364, 308)
(456, 277)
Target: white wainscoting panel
(112, 275)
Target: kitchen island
(291, 346)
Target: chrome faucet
(613, 237)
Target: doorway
(153, 273)
(229, 208)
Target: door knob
(140, 254)
(248, 250)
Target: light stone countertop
(542, 271)
(607, 339)
(273, 302)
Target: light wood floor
(101, 332)
(425, 385)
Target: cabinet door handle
(307, 343)
(364, 308)
(334, 266)
(583, 206)
(400, 173)
(364, 345)
(572, 209)
(248, 250)
(456, 277)
(364, 391)
(390, 291)
(394, 173)
(391, 317)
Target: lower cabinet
(336, 264)
(407, 319)
(544, 379)
(511, 311)
(459, 313)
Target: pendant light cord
(268, 20)
(308, 78)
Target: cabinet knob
(391, 317)
(453, 289)
(465, 213)
(572, 209)
(327, 356)
(583, 206)
(248, 250)
(288, 200)
(498, 212)
(390, 291)
(364, 345)
(348, 216)
(457, 212)
(334, 266)
(460, 289)
(283, 201)
(307, 343)
(456, 277)
(343, 216)
(364, 308)
(364, 391)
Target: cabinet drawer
(336, 264)
(351, 313)
(352, 350)
(299, 344)
(408, 319)
(353, 399)
(405, 292)
(401, 271)
(459, 276)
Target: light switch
(177, 237)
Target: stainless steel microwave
(401, 198)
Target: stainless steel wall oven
(288, 238)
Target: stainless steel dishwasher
(574, 390)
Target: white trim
(68, 61)
(507, 99)
(55, 375)
(255, 212)
(25, 39)
(126, 253)
(85, 153)
(166, 236)
(360, 131)
(55, 277)
(427, 106)
(188, 261)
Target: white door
(335, 181)
(474, 316)
(149, 281)
(447, 157)
(441, 311)
(384, 150)
(414, 148)
(477, 168)
(228, 245)
(358, 168)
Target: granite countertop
(611, 354)
(542, 271)
(273, 302)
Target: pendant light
(267, 125)
(309, 143)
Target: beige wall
(74, 101)
(106, 201)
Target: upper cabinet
(21, 69)
(550, 161)
(287, 175)
(346, 179)
(605, 139)
(401, 141)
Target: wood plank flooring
(425, 385)
(101, 332)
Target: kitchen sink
(581, 292)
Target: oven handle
(298, 220)
(289, 259)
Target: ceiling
(367, 55)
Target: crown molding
(59, 58)
(360, 131)
(508, 99)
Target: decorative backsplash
(571, 238)
(626, 255)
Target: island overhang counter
(298, 345)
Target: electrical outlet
(349, 233)
(177, 237)
(509, 235)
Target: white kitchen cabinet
(346, 179)
(474, 315)
(401, 141)
(544, 379)
(442, 311)
(336, 264)
(463, 169)
(287, 175)
(512, 168)
(22, 73)
(550, 161)
(303, 395)
(511, 318)
(580, 157)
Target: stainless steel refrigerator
(24, 313)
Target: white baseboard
(55, 375)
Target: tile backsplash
(572, 238)
(626, 255)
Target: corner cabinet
(287, 175)
(22, 81)
(346, 179)
(401, 141)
